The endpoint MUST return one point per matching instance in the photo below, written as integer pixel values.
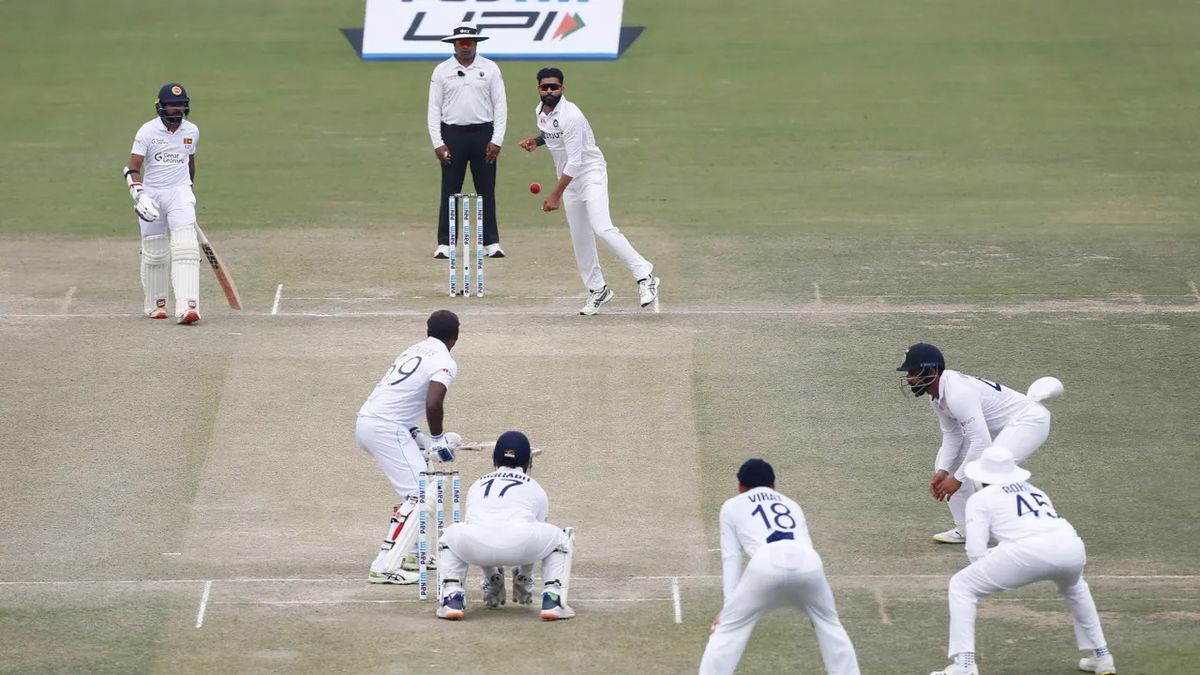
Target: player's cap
(921, 356)
(465, 31)
(756, 473)
(172, 92)
(996, 466)
(512, 445)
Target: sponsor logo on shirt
(170, 157)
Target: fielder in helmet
(160, 173)
(974, 413)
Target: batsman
(161, 171)
(414, 387)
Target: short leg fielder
(1012, 565)
(778, 577)
(588, 217)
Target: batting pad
(185, 269)
(155, 254)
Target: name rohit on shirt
(1014, 488)
(764, 497)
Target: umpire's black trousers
(467, 144)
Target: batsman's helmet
(923, 358)
(512, 448)
(173, 93)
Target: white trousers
(395, 451)
(588, 217)
(1023, 436)
(781, 574)
(177, 209)
(1017, 563)
(511, 544)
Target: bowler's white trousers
(588, 217)
(780, 574)
(513, 543)
(1013, 564)
(1023, 436)
(395, 451)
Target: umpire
(468, 113)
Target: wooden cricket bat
(219, 269)
(489, 446)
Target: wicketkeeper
(506, 525)
(162, 168)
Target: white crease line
(203, 603)
(680, 577)
(883, 613)
(676, 601)
(410, 601)
(1195, 291)
(66, 301)
(278, 294)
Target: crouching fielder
(162, 168)
(1035, 544)
(506, 525)
(784, 570)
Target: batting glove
(146, 209)
(439, 449)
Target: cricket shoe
(522, 588)
(399, 577)
(1100, 666)
(441, 252)
(595, 299)
(648, 290)
(189, 317)
(452, 607)
(553, 609)
(410, 563)
(493, 589)
(493, 250)
(951, 536)
(955, 669)
(157, 314)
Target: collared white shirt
(473, 94)
(971, 411)
(505, 496)
(1010, 512)
(400, 395)
(748, 520)
(166, 154)
(570, 140)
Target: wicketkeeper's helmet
(174, 93)
(924, 358)
(512, 446)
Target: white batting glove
(421, 439)
(439, 449)
(146, 209)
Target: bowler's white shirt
(746, 522)
(400, 395)
(1010, 512)
(475, 97)
(166, 153)
(570, 140)
(507, 496)
(971, 411)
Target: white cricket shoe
(159, 313)
(648, 289)
(522, 588)
(441, 252)
(1100, 666)
(951, 536)
(553, 609)
(493, 589)
(955, 669)
(189, 317)
(595, 299)
(399, 577)
(493, 250)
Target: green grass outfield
(818, 184)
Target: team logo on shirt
(555, 124)
(187, 141)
